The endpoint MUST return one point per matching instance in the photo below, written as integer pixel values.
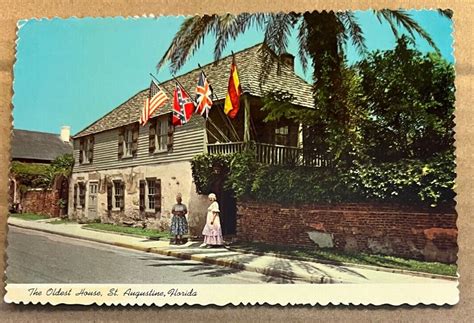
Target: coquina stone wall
(409, 232)
(175, 178)
(41, 201)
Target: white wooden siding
(188, 141)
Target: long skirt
(179, 225)
(213, 233)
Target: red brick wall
(426, 234)
(41, 202)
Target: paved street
(37, 257)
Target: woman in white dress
(212, 231)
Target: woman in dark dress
(179, 224)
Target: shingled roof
(250, 67)
(38, 146)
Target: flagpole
(226, 116)
(210, 132)
(219, 130)
(177, 81)
(159, 83)
(210, 120)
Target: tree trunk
(324, 31)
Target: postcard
(278, 158)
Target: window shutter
(120, 142)
(135, 133)
(151, 136)
(142, 195)
(158, 195)
(91, 149)
(81, 148)
(170, 132)
(122, 200)
(109, 196)
(75, 196)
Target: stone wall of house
(175, 178)
(40, 201)
(425, 234)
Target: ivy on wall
(429, 182)
(33, 175)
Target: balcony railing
(274, 154)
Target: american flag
(183, 106)
(203, 96)
(156, 99)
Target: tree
(321, 37)
(408, 98)
(32, 175)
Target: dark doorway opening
(229, 212)
(228, 207)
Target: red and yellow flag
(232, 99)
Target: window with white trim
(161, 135)
(282, 136)
(86, 149)
(150, 195)
(128, 142)
(118, 195)
(150, 183)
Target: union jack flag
(183, 106)
(203, 96)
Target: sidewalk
(309, 271)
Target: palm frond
(230, 27)
(411, 26)
(277, 33)
(187, 40)
(353, 31)
(382, 15)
(303, 52)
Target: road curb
(348, 264)
(235, 265)
(126, 234)
(238, 265)
(187, 256)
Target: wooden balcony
(274, 154)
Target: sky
(73, 71)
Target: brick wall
(419, 233)
(41, 202)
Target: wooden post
(300, 136)
(246, 118)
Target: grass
(149, 233)
(29, 216)
(355, 258)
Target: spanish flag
(232, 99)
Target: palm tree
(321, 36)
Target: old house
(127, 173)
(38, 148)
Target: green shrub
(207, 169)
(429, 182)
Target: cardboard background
(11, 11)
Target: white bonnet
(212, 196)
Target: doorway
(229, 211)
(227, 205)
(92, 203)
